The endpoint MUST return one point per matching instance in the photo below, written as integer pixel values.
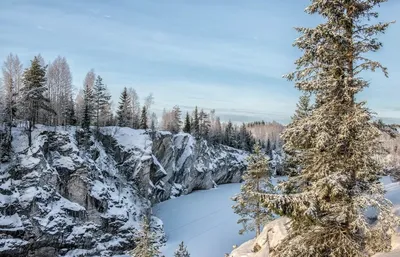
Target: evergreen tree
(339, 178)
(268, 148)
(229, 137)
(195, 123)
(101, 101)
(33, 99)
(181, 251)
(146, 243)
(257, 179)
(303, 107)
(186, 126)
(70, 112)
(143, 119)
(87, 108)
(124, 109)
(244, 138)
(176, 120)
(204, 125)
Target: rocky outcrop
(182, 164)
(66, 197)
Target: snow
(10, 221)
(129, 138)
(204, 220)
(6, 243)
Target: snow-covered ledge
(272, 234)
(275, 231)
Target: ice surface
(204, 220)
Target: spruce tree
(229, 137)
(146, 243)
(195, 124)
(257, 179)
(143, 119)
(176, 120)
(87, 107)
(186, 126)
(101, 100)
(303, 107)
(33, 99)
(339, 179)
(181, 251)
(124, 109)
(268, 148)
(70, 112)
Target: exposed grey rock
(185, 164)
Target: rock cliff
(66, 197)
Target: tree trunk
(30, 133)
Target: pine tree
(339, 179)
(186, 126)
(146, 243)
(124, 109)
(143, 119)
(257, 179)
(33, 99)
(87, 115)
(101, 101)
(181, 251)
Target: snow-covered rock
(185, 164)
(272, 234)
(62, 198)
(175, 164)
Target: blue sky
(229, 55)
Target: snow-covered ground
(204, 220)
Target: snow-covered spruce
(60, 198)
(275, 231)
(337, 140)
(181, 251)
(257, 179)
